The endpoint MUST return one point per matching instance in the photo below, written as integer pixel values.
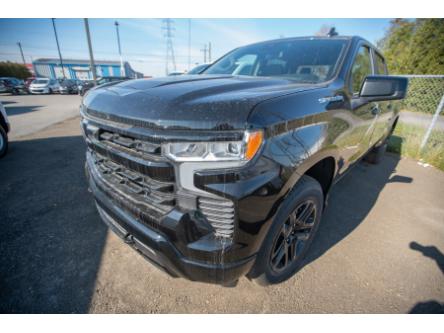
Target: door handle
(375, 110)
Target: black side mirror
(383, 88)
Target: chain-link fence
(420, 130)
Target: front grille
(135, 170)
(220, 214)
(133, 146)
(160, 195)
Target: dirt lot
(379, 249)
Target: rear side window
(362, 67)
(381, 69)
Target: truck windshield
(302, 60)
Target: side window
(362, 67)
(380, 69)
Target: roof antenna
(332, 32)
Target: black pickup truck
(225, 174)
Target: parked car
(84, 86)
(28, 82)
(44, 86)
(100, 81)
(4, 130)
(12, 85)
(227, 174)
(69, 87)
(198, 69)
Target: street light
(21, 52)
(92, 66)
(58, 48)
(122, 70)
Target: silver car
(44, 86)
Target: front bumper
(183, 229)
(39, 90)
(159, 246)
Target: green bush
(12, 69)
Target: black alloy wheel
(290, 235)
(293, 236)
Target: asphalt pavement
(31, 113)
(379, 248)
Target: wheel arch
(322, 166)
(3, 124)
(323, 172)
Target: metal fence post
(432, 124)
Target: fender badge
(338, 98)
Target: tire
(375, 155)
(50, 92)
(268, 269)
(3, 142)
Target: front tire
(291, 234)
(3, 142)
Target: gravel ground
(379, 248)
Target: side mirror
(383, 88)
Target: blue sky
(143, 44)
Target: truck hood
(207, 102)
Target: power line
(168, 34)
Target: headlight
(215, 151)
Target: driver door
(363, 116)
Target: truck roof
(311, 37)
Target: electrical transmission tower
(204, 51)
(168, 30)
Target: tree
(12, 69)
(396, 44)
(417, 47)
(427, 47)
(414, 46)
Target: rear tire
(290, 235)
(3, 142)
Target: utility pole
(21, 52)
(189, 44)
(58, 48)
(168, 34)
(92, 66)
(204, 50)
(122, 70)
(209, 52)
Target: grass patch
(406, 141)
